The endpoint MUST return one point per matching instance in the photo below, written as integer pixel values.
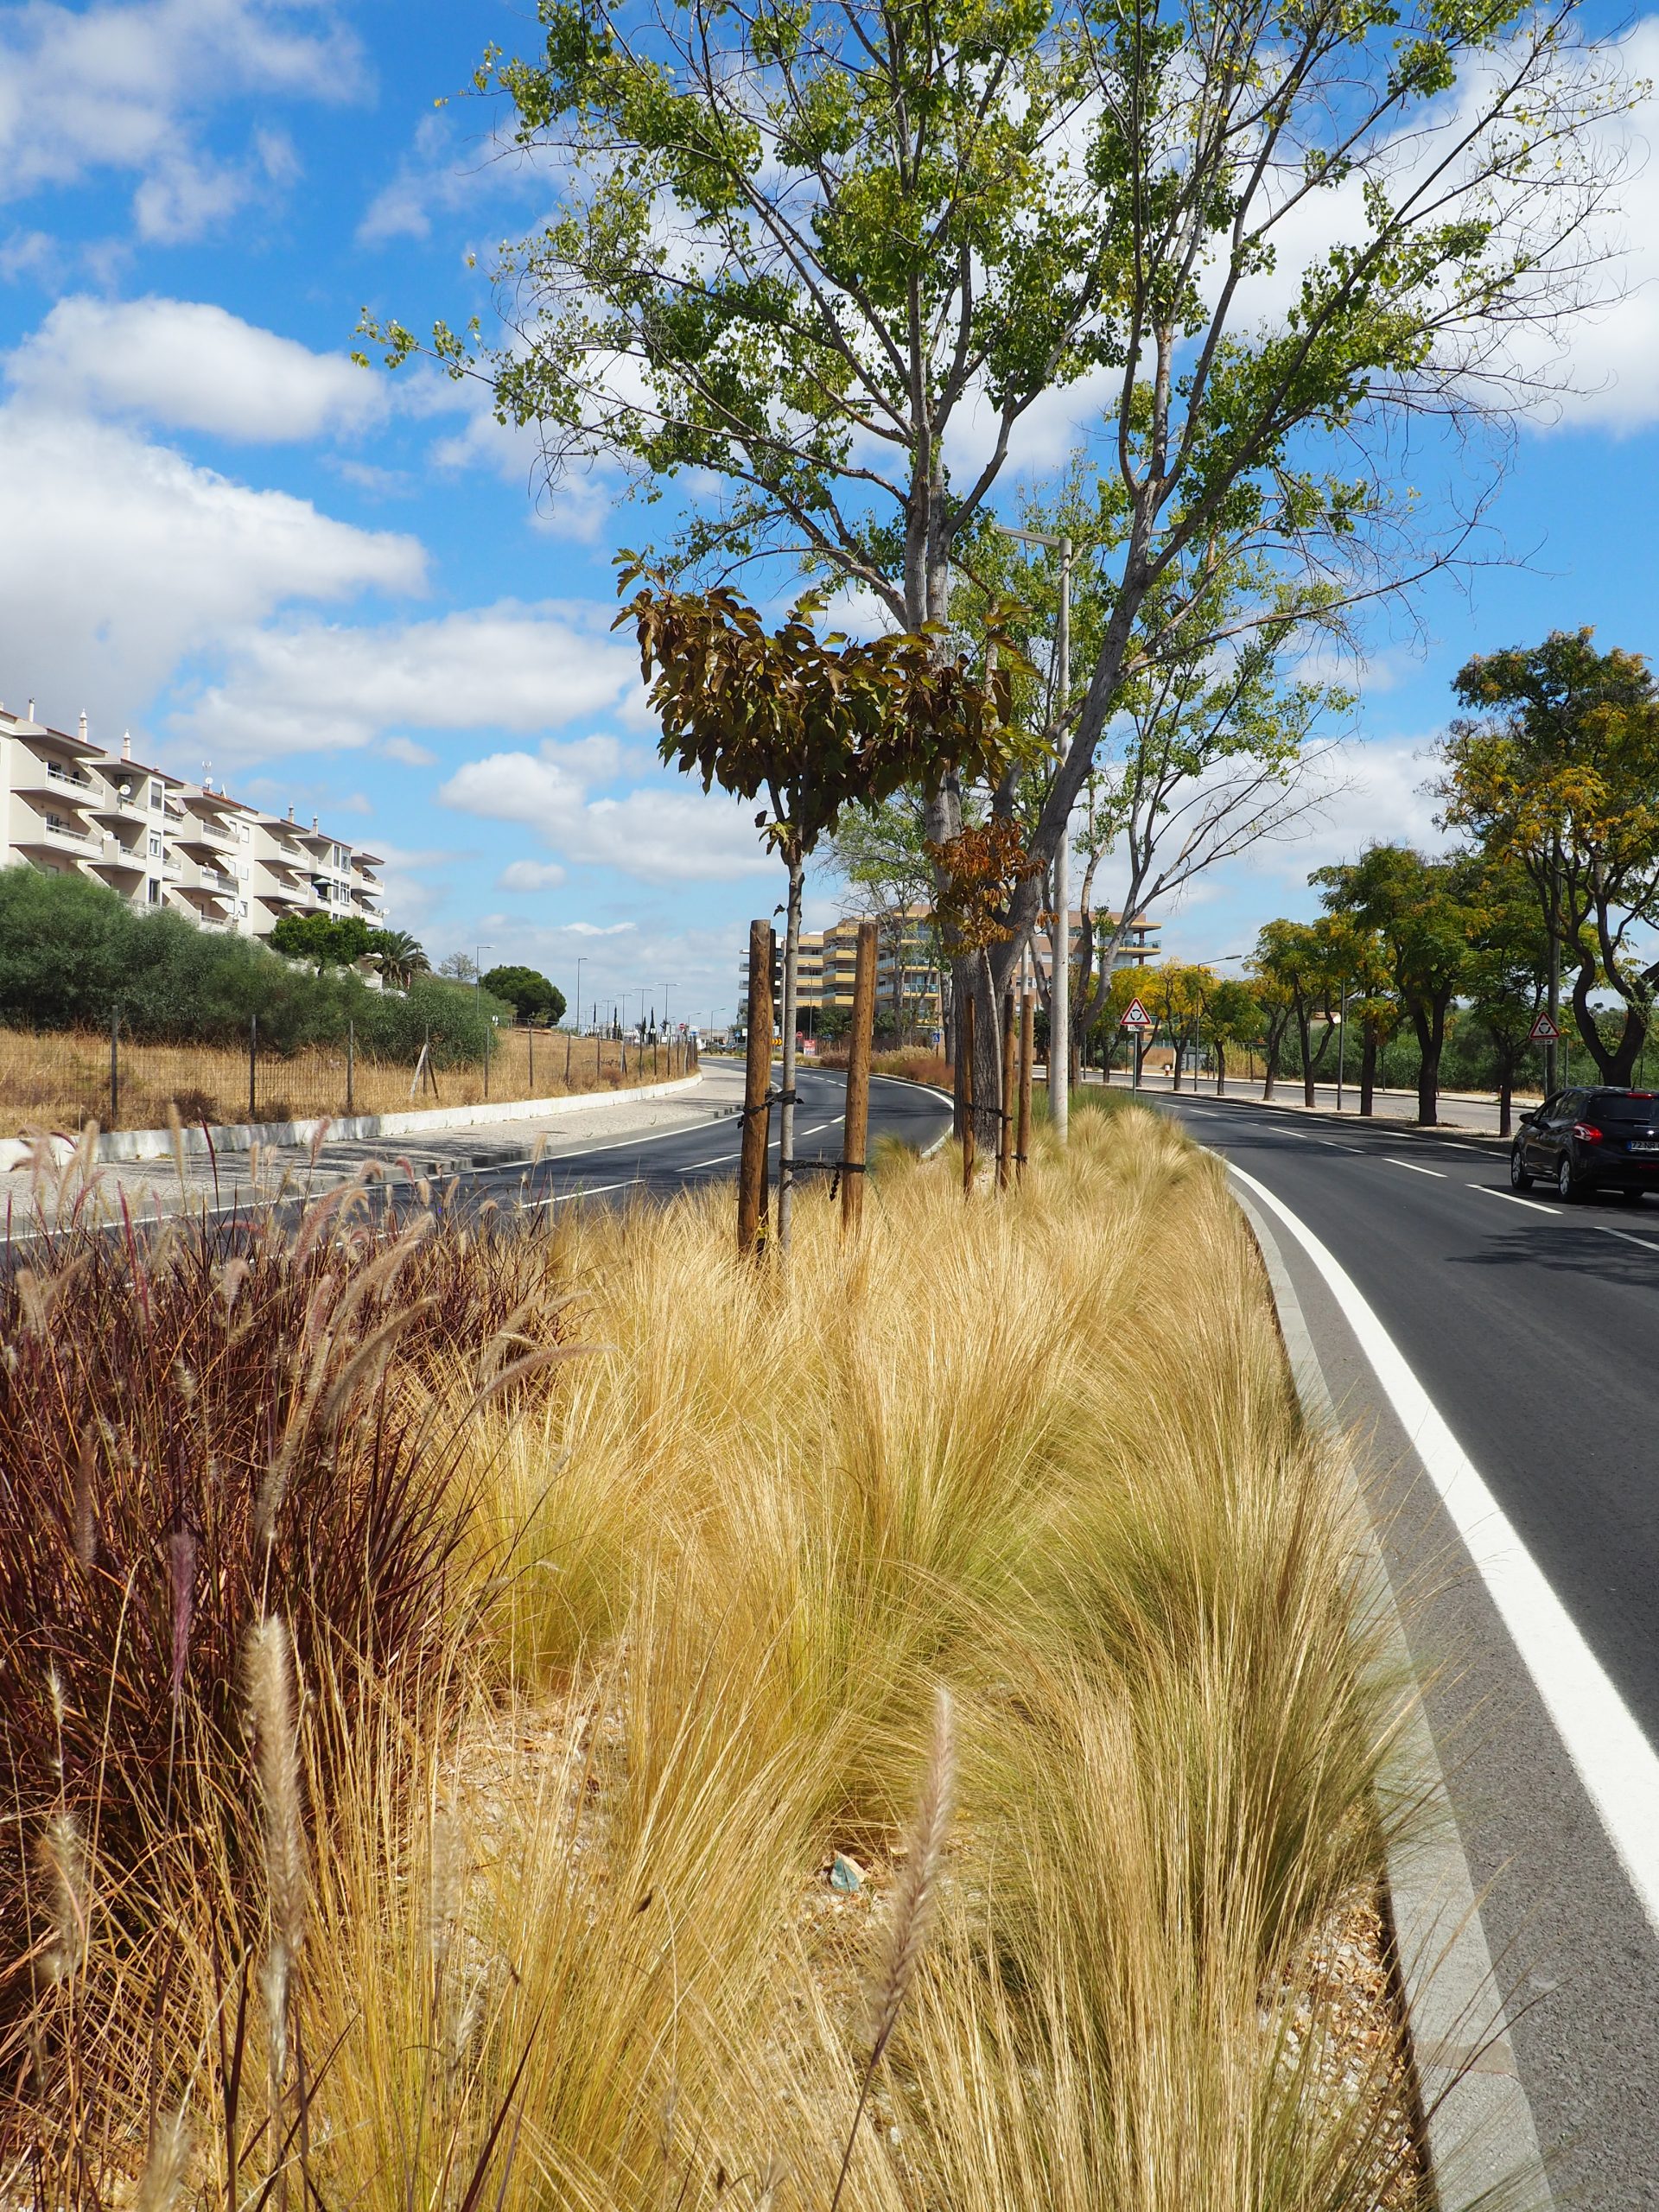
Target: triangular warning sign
(1543, 1030)
(1134, 1016)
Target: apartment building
(906, 968)
(67, 805)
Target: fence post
(351, 1068)
(757, 1094)
(486, 1058)
(115, 1066)
(1027, 1050)
(253, 1067)
(530, 1028)
(1005, 1120)
(855, 1147)
(965, 1061)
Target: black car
(1582, 1141)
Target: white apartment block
(66, 804)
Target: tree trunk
(1431, 1041)
(1368, 1071)
(786, 1090)
(1221, 1069)
(1304, 1039)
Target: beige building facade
(67, 807)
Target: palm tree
(400, 957)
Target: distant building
(67, 807)
(906, 968)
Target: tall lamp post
(479, 951)
(1059, 992)
(578, 969)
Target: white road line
(1646, 1242)
(1614, 1759)
(1334, 1144)
(1438, 1173)
(563, 1197)
(1514, 1201)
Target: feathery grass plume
(61, 1855)
(270, 1709)
(166, 2167)
(85, 1507)
(913, 1906)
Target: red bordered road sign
(1134, 1016)
(1544, 1032)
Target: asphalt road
(1459, 1107)
(656, 1164)
(1534, 1326)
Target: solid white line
(1646, 1242)
(1513, 1200)
(584, 1191)
(1438, 1173)
(1614, 1759)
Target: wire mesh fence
(61, 1080)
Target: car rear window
(1621, 1110)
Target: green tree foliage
(529, 993)
(326, 940)
(71, 953)
(1424, 913)
(813, 725)
(827, 258)
(1559, 773)
(1307, 960)
(1228, 1016)
(400, 957)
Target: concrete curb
(1482, 2145)
(157, 1144)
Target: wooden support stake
(855, 1139)
(1027, 1053)
(965, 1057)
(1005, 1119)
(757, 1089)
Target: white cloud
(405, 750)
(654, 834)
(121, 560)
(531, 875)
(188, 365)
(302, 686)
(125, 86)
(440, 177)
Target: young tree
(829, 258)
(1423, 913)
(1561, 777)
(814, 725)
(1303, 959)
(459, 966)
(1228, 1015)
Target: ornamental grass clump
(210, 1431)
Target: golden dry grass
(58, 1081)
(1045, 1451)
(1042, 1452)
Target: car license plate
(1642, 1145)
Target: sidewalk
(1474, 1112)
(257, 1178)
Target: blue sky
(342, 590)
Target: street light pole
(578, 969)
(1059, 982)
